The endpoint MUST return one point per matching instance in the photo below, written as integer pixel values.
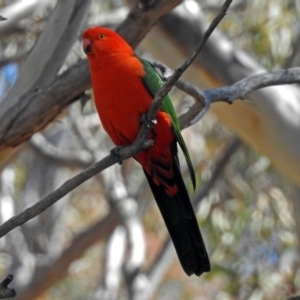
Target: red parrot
(124, 87)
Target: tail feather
(181, 222)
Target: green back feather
(153, 83)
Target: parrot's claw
(147, 122)
(115, 153)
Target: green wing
(153, 83)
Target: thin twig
(252, 83)
(170, 82)
(198, 109)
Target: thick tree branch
(38, 108)
(142, 17)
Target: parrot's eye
(101, 36)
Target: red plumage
(121, 99)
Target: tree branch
(170, 82)
(252, 83)
(37, 108)
(199, 108)
(142, 17)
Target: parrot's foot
(115, 152)
(147, 122)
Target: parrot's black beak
(87, 46)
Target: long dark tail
(182, 225)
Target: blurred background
(106, 239)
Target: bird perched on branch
(124, 87)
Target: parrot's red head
(98, 42)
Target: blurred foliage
(247, 218)
(251, 223)
(266, 28)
